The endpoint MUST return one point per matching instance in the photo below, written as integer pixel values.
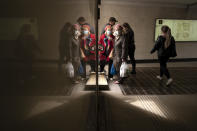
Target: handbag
(124, 70)
(80, 70)
(69, 69)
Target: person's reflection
(65, 35)
(88, 46)
(82, 21)
(26, 50)
(75, 52)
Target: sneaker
(159, 77)
(111, 79)
(117, 82)
(169, 81)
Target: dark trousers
(131, 54)
(163, 67)
(102, 66)
(83, 63)
(92, 65)
(109, 68)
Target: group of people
(115, 45)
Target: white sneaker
(111, 79)
(169, 81)
(159, 77)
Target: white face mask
(116, 33)
(108, 32)
(86, 32)
(77, 33)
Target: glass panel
(47, 48)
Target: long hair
(126, 25)
(165, 29)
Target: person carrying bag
(124, 70)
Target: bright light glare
(44, 106)
(149, 106)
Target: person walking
(166, 48)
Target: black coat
(160, 48)
(120, 52)
(129, 39)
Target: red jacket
(105, 47)
(88, 47)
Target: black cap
(81, 19)
(113, 19)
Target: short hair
(81, 19)
(112, 19)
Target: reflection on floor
(50, 102)
(102, 82)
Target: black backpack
(172, 52)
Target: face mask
(86, 32)
(108, 32)
(77, 33)
(116, 33)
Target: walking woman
(119, 52)
(129, 39)
(74, 47)
(166, 48)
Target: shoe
(116, 82)
(102, 73)
(159, 77)
(111, 79)
(133, 72)
(76, 82)
(169, 81)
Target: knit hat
(86, 26)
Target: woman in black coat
(165, 46)
(129, 39)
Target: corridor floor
(142, 103)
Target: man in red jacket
(88, 48)
(105, 46)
